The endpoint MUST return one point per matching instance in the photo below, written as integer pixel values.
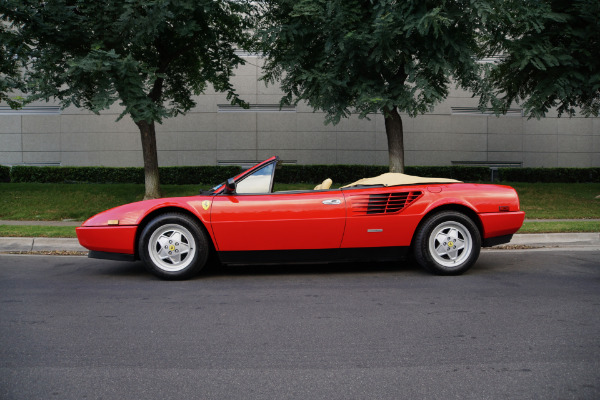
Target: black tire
(447, 243)
(173, 246)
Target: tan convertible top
(396, 179)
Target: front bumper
(108, 239)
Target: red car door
(278, 221)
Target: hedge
(550, 175)
(4, 173)
(168, 175)
(287, 174)
(351, 173)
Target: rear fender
(453, 204)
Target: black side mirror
(230, 186)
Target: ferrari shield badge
(206, 204)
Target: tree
(388, 56)
(11, 66)
(551, 57)
(151, 55)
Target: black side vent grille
(383, 203)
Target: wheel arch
(165, 210)
(469, 212)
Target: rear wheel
(173, 246)
(447, 243)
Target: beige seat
(326, 184)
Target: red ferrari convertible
(442, 221)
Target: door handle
(332, 202)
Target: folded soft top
(396, 179)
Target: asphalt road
(520, 324)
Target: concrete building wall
(210, 135)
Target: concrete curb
(557, 239)
(525, 239)
(39, 244)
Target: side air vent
(383, 203)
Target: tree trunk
(150, 155)
(395, 137)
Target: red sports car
(443, 222)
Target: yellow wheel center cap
(171, 247)
(450, 244)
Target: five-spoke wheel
(173, 246)
(447, 243)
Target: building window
(256, 108)
(30, 110)
(511, 112)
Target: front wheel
(173, 246)
(447, 243)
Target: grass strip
(558, 200)
(37, 231)
(560, 226)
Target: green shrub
(462, 173)
(196, 175)
(168, 175)
(23, 173)
(550, 175)
(4, 173)
(287, 174)
(351, 173)
(316, 173)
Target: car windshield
(258, 182)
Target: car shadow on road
(137, 269)
(309, 268)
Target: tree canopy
(371, 56)
(150, 55)
(387, 56)
(551, 57)
(11, 65)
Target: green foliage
(168, 175)
(11, 63)
(368, 56)
(288, 174)
(153, 55)
(550, 175)
(4, 173)
(551, 50)
(341, 174)
(202, 174)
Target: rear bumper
(501, 224)
(108, 239)
(495, 241)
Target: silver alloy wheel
(172, 247)
(450, 244)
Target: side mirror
(230, 186)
